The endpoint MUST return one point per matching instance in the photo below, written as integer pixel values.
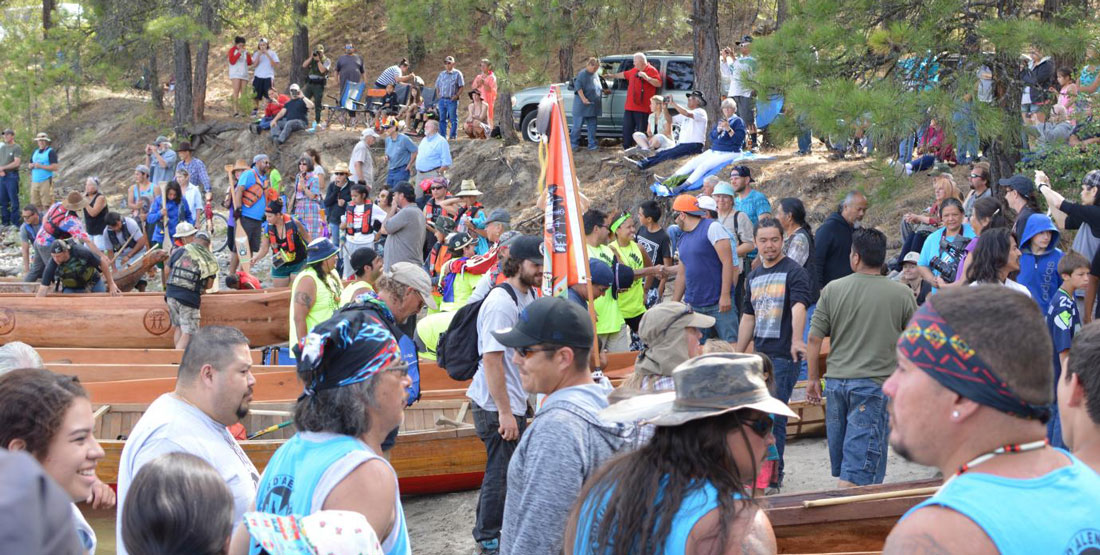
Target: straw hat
(239, 165)
(74, 201)
(340, 168)
(468, 189)
(42, 137)
(706, 386)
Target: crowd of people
(972, 351)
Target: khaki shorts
(183, 317)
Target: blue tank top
(292, 475)
(695, 505)
(41, 157)
(1054, 513)
(702, 267)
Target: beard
(533, 279)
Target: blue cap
(320, 249)
(601, 272)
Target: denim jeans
(674, 234)
(9, 199)
(925, 162)
(575, 133)
(448, 116)
(286, 127)
(334, 234)
(490, 500)
(805, 140)
(725, 323)
(678, 151)
(786, 374)
(857, 427)
(397, 176)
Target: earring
(955, 414)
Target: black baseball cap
(742, 171)
(745, 39)
(549, 320)
(1020, 183)
(698, 95)
(527, 247)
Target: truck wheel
(530, 126)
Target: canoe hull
(136, 320)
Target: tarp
(660, 190)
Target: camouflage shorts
(183, 317)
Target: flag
(565, 258)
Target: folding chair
(349, 106)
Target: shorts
(183, 317)
(260, 86)
(287, 270)
(746, 109)
(253, 229)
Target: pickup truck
(677, 72)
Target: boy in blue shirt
(1064, 321)
(1039, 256)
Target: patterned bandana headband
(346, 349)
(931, 344)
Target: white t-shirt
(264, 68)
(193, 196)
(498, 312)
(377, 215)
(692, 129)
(361, 153)
(741, 70)
(171, 425)
(1008, 283)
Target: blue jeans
(575, 133)
(397, 176)
(857, 427)
(805, 139)
(9, 199)
(448, 115)
(725, 323)
(786, 374)
(678, 151)
(674, 234)
(490, 500)
(924, 163)
(334, 234)
(804, 367)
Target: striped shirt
(388, 77)
(448, 83)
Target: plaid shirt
(197, 171)
(448, 83)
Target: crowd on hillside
(971, 351)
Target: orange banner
(565, 261)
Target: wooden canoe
(67, 355)
(136, 320)
(851, 527)
(431, 455)
(126, 278)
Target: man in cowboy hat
(63, 221)
(161, 159)
(552, 341)
(468, 212)
(672, 332)
(43, 166)
(234, 171)
(693, 131)
(971, 397)
(76, 269)
(361, 163)
(713, 433)
(196, 169)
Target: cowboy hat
(74, 202)
(340, 168)
(239, 166)
(706, 386)
(468, 189)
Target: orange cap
(688, 205)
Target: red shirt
(638, 92)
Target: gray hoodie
(564, 446)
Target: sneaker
(254, 112)
(909, 169)
(488, 547)
(632, 150)
(633, 162)
(772, 490)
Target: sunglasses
(526, 352)
(978, 175)
(761, 426)
(303, 163)
(437, 187)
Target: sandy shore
(442, 524)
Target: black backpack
(456, 351)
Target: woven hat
(468, 189)
(42, 137)
(706, 386)
(74, 201)
(340, 168)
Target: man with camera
(741, 74)
(693, 130)
(264, 61)
(292, 117)
(643, 81)
(317, 66)
(161, 159)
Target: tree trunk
(503, 112)
(47, 16)
(780, 13)
(152, 79)
(202, 60)
(300, 51)
(565, 61)
(183, 115)
(1004, 149)
(704, 31)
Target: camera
(955, 250)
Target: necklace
(1011, 448)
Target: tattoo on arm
(923, 544)
(303, 299)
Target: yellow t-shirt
(631, 301)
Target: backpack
(455, 352)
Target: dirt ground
(443, 524)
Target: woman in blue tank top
(686, 491)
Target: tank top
(95, 224)
(324, 304)
(352, 289)
(608, 317)
(702, 267)
(694, 506)
(295, 478)
(1054, 513)
(631, 301)
(41, 156)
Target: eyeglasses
(760, 426)
(526, 352)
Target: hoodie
(1039, 272)
(558, 452)
(832, 246)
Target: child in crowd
(1064, 321)
(1039, 256)
(655, 241)
(275, 102)
(1067, 92)
(359, 224)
